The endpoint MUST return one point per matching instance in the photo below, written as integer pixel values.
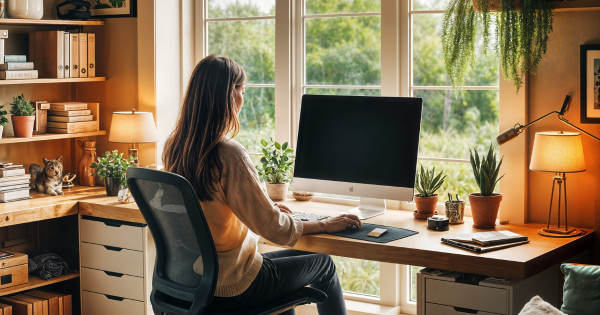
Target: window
(244, 30)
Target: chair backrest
(183, 241)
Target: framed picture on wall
(590, 84)
(113, 8)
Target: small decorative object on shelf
(112, 167)
(41, 117)
(49, 178)
(26, 9)
(88, 156)
(2, 9)
(276, 168)
(427, 183)
(77, 10)
(14, 266)
(67, 181)
(455, 209)
(486, 203)
(3, 119)
(23, 116)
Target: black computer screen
(359, 139)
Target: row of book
(57, 54)
(70, 117)
(14, 183)
(37, 302)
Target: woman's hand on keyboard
(283, 208)
(341, 222)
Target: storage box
(13, 270)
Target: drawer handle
(115, 298)
(113, 224)
(465, 310)
(114, 249)
(113, 274)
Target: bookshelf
(51, 80)
(51, 136)
(576, 5)
(28, 22)
(36, 282)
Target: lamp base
(556, 232)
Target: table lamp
(560, 153)
(132, 127)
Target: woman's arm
(333, 224)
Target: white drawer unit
(117, 261)
(441, 292)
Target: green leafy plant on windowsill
(276, 162)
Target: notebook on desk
(482, 242)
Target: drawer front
(436, 309)
(99, 304)
(129, 262)
(493, 300)
(111, 283)
(111, 233)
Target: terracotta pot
(425, 206)
(23, 126)
(484, 210)
(112, 185)
(277, 191)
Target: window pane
(240, 8)
(249, 43)
(342, 6)
(257, 118)
(428, 60)
(414, 270)
(428, 5)
(345, 50)
(459, 179)
(452, 122)
(358, 276)
(361, 92)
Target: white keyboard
(309, 216)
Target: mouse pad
(392, 233)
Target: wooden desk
(423, 249)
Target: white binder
(67, 54)
(83, 62)
(91, 53)
(74, 55)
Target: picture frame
(111, 8)
(590, 83)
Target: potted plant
(521, 35)
(485, 204)
(3, 119)
(427, 183)
(23, 116)
(276, 168)
(112, 167)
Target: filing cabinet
(117, 261)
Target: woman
(233, 202)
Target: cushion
(581, 291)
(537, 306)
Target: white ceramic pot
(25, 9)
(1, 131)
(277, 191)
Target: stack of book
(70, 117)
(14, 183)
(482, 242)
(16, 67)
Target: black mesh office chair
(171, 208)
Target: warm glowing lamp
(560, 153)
(133, 128)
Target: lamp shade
(132, 127)
(558, 152)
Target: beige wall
(557, 75)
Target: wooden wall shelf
(36, 282)
(577, 5)
(45, 81)
(51, 136)
(49, 22)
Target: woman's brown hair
(208, 113)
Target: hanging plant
(521, 36)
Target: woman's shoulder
(231, 149)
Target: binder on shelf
(46, 50)
(83, 54)
(55, 301)
(18, 74)
(17, 66)
(91, 52)
(39, 306)
(74, 55)
(18, 306)
(67, 54)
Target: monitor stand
(368, 208)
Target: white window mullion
(283, 70)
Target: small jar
(26, 9)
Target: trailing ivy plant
(21, 106)
(113, 164)
(276, 162)
(521, 36)
(3, 119)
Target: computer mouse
(353, 227)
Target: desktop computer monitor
(359, 146)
